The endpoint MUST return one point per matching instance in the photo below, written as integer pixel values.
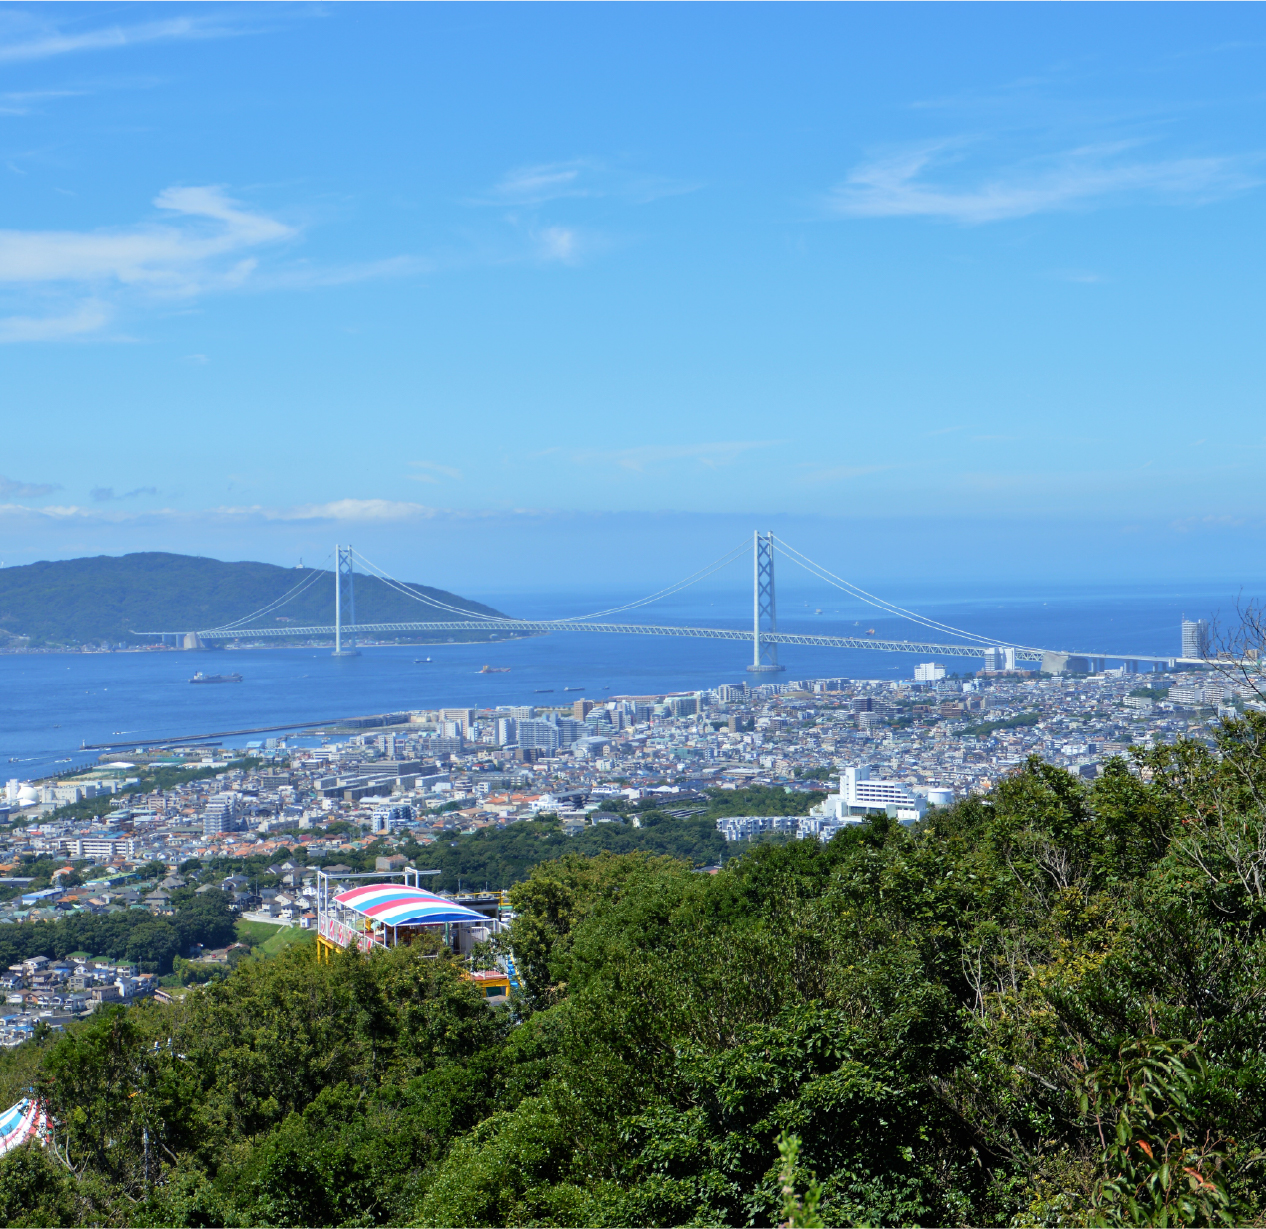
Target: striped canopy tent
(26, 1120)
(394, 904)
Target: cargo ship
(495, 670)
(215, 678)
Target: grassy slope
(74, 601)
(271, 939)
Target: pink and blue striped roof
(393, 904)
(26, 1120)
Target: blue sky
(536, 294)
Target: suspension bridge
(763, 635)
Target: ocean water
(52, 703)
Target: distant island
(106, 600)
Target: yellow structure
(496, 985)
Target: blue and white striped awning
(393, 904)
(26, 1120)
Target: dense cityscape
(405, 780)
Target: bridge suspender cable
(694, 578)
(401, 587)
(879, 603)
(302, 587)
(724, 561)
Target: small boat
(215, 678)
(495, 670)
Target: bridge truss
(925, 648)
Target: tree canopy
(1044, 1006)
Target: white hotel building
(859, 795)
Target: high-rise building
(581, 709)
(466, 717)
(569, 731)
(999, 658)
(928, 672)
(507, 731)
(221, 814)
(1195, 638)
(539, 735)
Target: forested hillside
(109, 598)
(1046, 1007)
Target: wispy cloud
(638, 459)
(88, 317)
(338, 511)
(527, 193)
(529, 186)
(550, 181)
(182, 257)
(49, 41)
(302, 275)
(105, 494)
(903, 184)
(560, 243)
(349, 510)
(840, 473)
(430, 470)
(11, 488)
(202, 241)
(26, 102)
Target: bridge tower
(343, 568)
(764, 652)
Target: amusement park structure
(380, 910)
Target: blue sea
(52, 703)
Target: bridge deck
(924, 648)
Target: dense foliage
(109, 598)
(1046, 1007)
(760, 800)
(134, 935)
(499, 858)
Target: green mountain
(111, 598)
